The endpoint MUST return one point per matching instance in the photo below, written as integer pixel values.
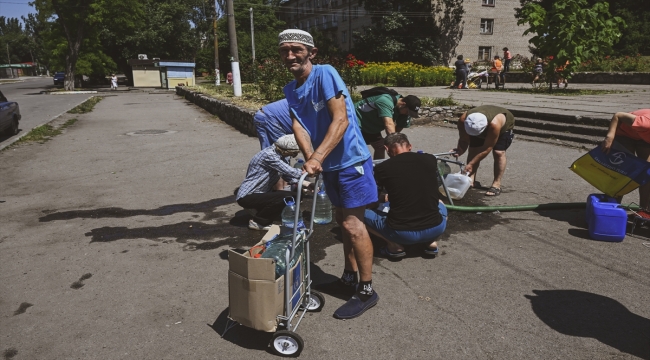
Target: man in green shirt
(385, 112)
(485, 129)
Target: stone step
(562, 118)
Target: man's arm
(463, 136)
(493, 132)
(302, 136)
(622, 117)
(335, 132)
(389, 124)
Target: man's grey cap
(475, 123)
(297, 36)
(287, 142)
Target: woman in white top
(113, 82)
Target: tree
(419, 31)
(635, 37)
(79, 20)
(569, 32)
(13, 34)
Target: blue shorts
(376, 220)
(351, 187)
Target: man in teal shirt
(385, 112)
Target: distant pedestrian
(113, 82)
(497, 69)
(538, 70)
(229, 78)
(461, 73)
(507, 57)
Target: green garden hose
(504, 208)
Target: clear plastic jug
(457, 184)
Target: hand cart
(441, 179)
(285, 341)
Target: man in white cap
(485, 129)
(265, 169)
(326, 129)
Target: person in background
(327, 133)
(461, 73)
(558, 77)
(497, 68)
(264, 171)
(416, 215)
(229, 80)
(383, 112)
(538, 70)
(632, 130)
(113, 82)
(507, 58)
(485, 129)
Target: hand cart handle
(297, 215)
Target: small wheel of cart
(479, 83)
(316, 302)
(287, 343)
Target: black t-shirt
(460, 65)
(411, 181)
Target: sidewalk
(595, 106)
(139, 195)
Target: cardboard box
(256, 296)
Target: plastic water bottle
(420, 152)
(323, 213)
(277, 249)
(299, 163)
(289, 215)
(444, 168)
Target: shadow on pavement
(206, 207)
(240, 335)
(584, 314)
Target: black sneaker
(337, 287)
(355, 307)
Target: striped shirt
(264, 171)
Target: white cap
(287, 142)
(475, 123)
(297, 36)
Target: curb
(3, 146)
(70, 92)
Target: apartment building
(489, 25)
(337, 18)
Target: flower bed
(405, 74)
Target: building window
(308, 27)
(487, 26)
(484, 53)
(487, 2)
(355, 12)
(344, 37)
(344, 15)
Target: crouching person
(264, 171)
(416, 215)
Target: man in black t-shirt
(416, 213)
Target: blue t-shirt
(279, 111)
(309, 105)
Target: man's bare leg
(380, 150)
(499, 167)
(355, 233)
(391, 246)
(348, 251)
(644, 190)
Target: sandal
(476, 185)
(494, 190)
(384, 251)
(431, 251)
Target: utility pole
(234, 53)
(349, 26)
(253, 40)
(9, 61)
(217, 75)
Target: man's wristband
(313, 158)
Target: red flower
(607, 57)
(627, 57)
(551, 57)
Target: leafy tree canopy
(570, 32)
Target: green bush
(619, 64)
(406, 74)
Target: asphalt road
(113, 246)
(35, 108)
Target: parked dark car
(9, 116)
(59, 78)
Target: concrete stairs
(566, 130)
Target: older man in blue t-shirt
(329, 137)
